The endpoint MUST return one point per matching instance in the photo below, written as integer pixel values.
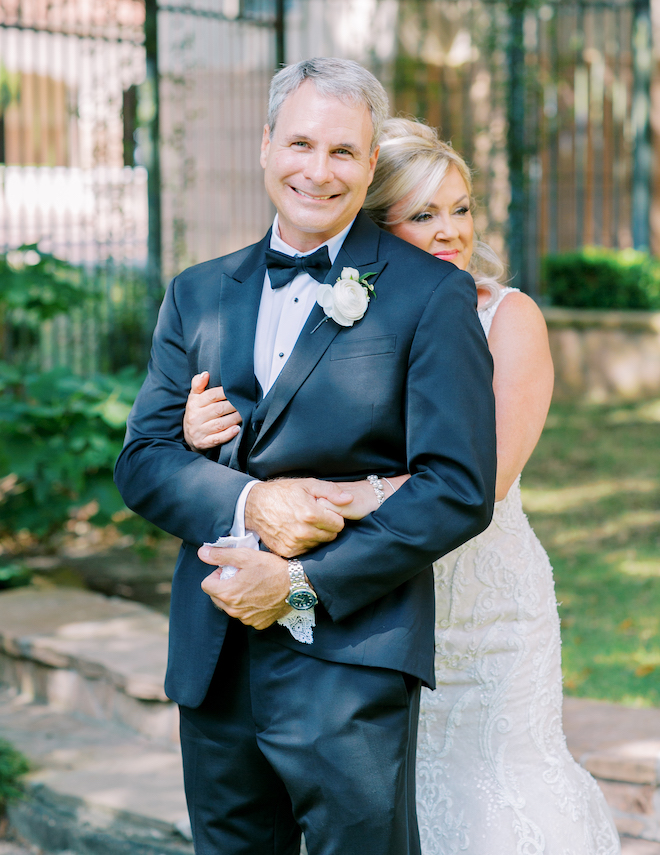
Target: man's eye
(300, 144)
(343, 151)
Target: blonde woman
(494, 776)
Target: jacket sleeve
(158, 476)
(451, 454)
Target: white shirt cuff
(238, 526)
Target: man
(280, 735)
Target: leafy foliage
(12, 765)
(14, 575)
(35, 287)
(601, 278)
(39, 286)
(61, 436)
(61, 432)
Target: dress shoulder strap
(486, 315)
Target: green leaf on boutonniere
(363, 281)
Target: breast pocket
(350, 348)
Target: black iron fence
(130, 131)
(69, 179)
(550, 102)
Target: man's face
(317, 165)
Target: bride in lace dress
(494, 775)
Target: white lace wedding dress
(494, 775)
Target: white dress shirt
(282, 315)
(283, 311)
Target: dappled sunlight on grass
(567, 498)
(565, 415)
(647, 412)
(592, 493)
(625, 524)
(640, 568)
(628, 562)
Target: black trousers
(285, 743)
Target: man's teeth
(302, 193)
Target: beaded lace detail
(494, 775)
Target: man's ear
(373, 160)
(265, 145)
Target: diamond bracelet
(377, 484)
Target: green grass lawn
(592, 493)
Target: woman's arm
(523, 378)
(522, 381)
(209, 419)
(364, 496)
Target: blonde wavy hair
(413, 162)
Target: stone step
(102, 657)
(633, 847)
(101, 660)
(620, 746)
(96, 788)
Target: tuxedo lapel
(240, 296)
(360, 250)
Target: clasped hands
(291, 516)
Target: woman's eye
(462, 211)
(422, 217)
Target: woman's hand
(364, 496)
(210, 419)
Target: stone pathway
(628, 847)
(82, 696)
(9, 846)
(634, 847)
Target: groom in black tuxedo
(278, 735)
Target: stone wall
(604, 356)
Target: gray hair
(332, 77)
(413, 162)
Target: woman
(494, 776)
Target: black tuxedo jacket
(406, 389)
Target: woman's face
(444, 227)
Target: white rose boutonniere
(347, 300)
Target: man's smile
(314, 198)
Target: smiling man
(310, 724)
(319, 159)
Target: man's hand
(287, 517)
(255, 595)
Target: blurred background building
(130, 129)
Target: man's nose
(317, 168)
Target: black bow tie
(283, 268)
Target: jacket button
(256, 426)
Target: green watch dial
(302, 600)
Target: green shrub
(38, 286)
(61, 436)
(35, 287)
(14, 575)
(12, 765)
(601, 278)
